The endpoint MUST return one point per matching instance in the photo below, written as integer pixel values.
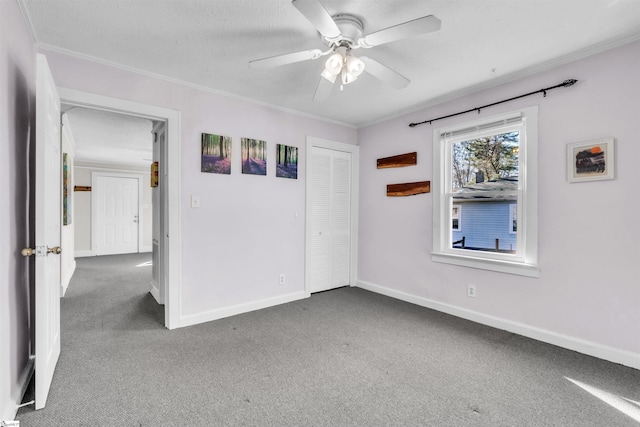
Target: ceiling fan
(343, 33)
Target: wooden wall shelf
(408, 189)
(81, 188)
(399, 161)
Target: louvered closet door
(330, 219)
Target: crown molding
(44, 47)
(511, 77)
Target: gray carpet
(347, 357)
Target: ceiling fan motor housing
(350, 31)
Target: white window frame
(525, 260)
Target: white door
(47, 230)
(117, 214)
(158, 282)
(330, 219)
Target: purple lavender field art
(287, 161)
(216, 154)
(254, 156)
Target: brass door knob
(40, 251)
(27, 251)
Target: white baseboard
(67, 278)
(84, 253)
(194, 319)
(600, 351)
(11, 409)
(155, 292)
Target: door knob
(40, 251)
(27, 251)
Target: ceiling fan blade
(384, 73)
(289, 58)
(419, 26)
(315, 12)
(324, 89)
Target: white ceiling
(209, 43)
(106, 137)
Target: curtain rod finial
(569, 82)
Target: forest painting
(66, 189)
(287, 161)
(254, 156)
(216, 153)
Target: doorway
(168, 263)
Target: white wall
(82, 206)
(249, 228)
(67, 257)
(588, 291)
(17, 114)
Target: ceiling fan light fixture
(348, 77)
(328, 75)
(334, 63)
(354, 65)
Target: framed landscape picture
(254, 156)
(591, 160)
(286, 161)
(67, 185)
(216, 154)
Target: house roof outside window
(478, 192)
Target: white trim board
(220, 313)
(111, 167)
(589, 348)
(44, 48)
(83, 253)
(23, 383)
(172, 271)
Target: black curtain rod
(566, 83)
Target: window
(488, 168)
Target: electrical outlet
(471, 291)
(282, 278)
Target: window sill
(520, 269)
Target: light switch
(195, 201)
